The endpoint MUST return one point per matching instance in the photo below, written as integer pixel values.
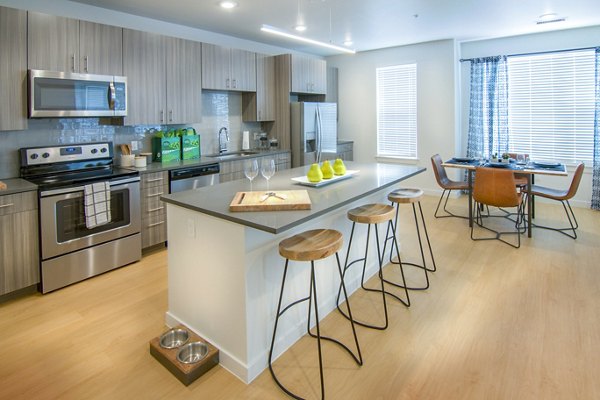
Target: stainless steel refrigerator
(314, 132)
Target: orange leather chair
(563, 196)
(447, 184)
(496, 187)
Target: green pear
(338, 167)
(314, 173)
(327, 170)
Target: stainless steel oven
(69, 251)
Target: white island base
(225, 278)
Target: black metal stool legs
(419, 237)
(312, 294)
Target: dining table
(528, 169)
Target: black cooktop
(76, 178)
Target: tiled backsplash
(218, 109)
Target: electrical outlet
(134, 145)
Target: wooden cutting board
(260, 201)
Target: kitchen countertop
(215, 200)
(203, 160)
(17, 185)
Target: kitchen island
(225, 270)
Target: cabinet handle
(156, 209)
(154, 180)
(162, 115)
(85, 63)
(155, 195)
(73, 62)
(259, 115)
(156, 224)
(7, 205)
(170, 115)
(235, 83)
(227, 83)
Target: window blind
(551, 105)
(397, 111)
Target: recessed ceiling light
(300, 28)
(228, 4)
(348, 42)
(549, 18)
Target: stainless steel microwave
(65, 94)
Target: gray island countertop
(215, 200)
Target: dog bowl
(173, 338)
(192, 352)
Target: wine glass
(251, 170)
(267, 169)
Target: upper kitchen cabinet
(184, 81)
(13, 69)
(228, 69)
(69, 45)
(260, 105)
(163, 79)
(144, 65)
(309, 75)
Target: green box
(166, 149)
(190, 147)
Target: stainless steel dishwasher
(193, 177)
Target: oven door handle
(81, 188)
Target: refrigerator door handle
(319, 133)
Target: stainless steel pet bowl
(174, 338)
(192, 352)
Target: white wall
(436, 119)
(549, 41)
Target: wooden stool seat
(371, 214)
(405, 195)
(311, 245)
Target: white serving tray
(303, 180)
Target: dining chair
(496, 187)
(520, 179)
(563, 196)
(447, 184)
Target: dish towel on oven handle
(97, 204)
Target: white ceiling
(370, 24)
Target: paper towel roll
(246, 140)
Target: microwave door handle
(112, 96)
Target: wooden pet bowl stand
(186, 373)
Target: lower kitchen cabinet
(153, 210)
(19, 244)
(234, 170)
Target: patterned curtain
(488, 116)
(596, 176)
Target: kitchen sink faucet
(223, 143)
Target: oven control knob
(34, 156)
(46, 155)
(103, 150)
(94, 151)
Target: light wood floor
(497, 323)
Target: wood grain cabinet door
(52, 43)
(13, 69)
(243, 70)
(184, 81)
(144, 65)
(215, 67)
(100, 49)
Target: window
(551, 105)
(397, 111)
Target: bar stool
(410, 196)
(371, 214)
(311, 246)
